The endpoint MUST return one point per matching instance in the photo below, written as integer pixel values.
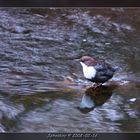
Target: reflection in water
(95, 97)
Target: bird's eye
(83, 60)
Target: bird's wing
(104, 69)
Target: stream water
(42, 87)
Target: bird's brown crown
(89, 61)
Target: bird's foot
(97, 85)
(92, 86)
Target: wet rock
(132, 99)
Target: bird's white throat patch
(88, 71)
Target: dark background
(43, 136)
(69, 3)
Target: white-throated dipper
(95, 70)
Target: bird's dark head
(89, 61)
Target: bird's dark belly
(102, 76)
(100, 79)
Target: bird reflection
(94, 97)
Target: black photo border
(69, 3)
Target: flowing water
(42, 87)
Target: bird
(96, 70)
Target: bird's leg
(91, 86)
(98, 85)
(95, 85)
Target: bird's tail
(116, 68)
